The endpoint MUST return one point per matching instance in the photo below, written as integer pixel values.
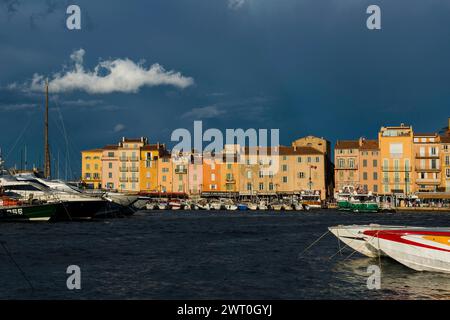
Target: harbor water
(207, 255)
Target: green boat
(38, 212)
(363, 203)
(343, 203)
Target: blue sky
(304, 66)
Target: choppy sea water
(207, 255)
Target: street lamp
(310, 183)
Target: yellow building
(165, 170)
(91, 168)
(149, 173)
(397, 159)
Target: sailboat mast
(47, 168)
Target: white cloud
(119, 127)
(119, 75)
(204, 112)
(235, 4)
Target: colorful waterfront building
(165, 173)
(324, 146)
(212, 181)
(445, 163)
(427, 163)
(110, 167)
(91, 164)
(397, 160)
(346, 163)
(195, 174)
(149, 173)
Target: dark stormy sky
(303, 66)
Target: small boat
(252, 206)
(242, 207)
(343, 198)
(203, 204)
(216, 205)
(363, 202)
(311, 198)
(174, 204)
(34, 212)
(277, 206)
(262, 205)
(421, 249)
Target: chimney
(361, 141)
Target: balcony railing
(427, 156)
(180, 171)
(133, 179)
(428, 181)
(421, 169)
(397, 169)
(123, 179)
(123, 158)
(347, 167)
(133, 159)
(133, 169)
(123, 169)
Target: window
(164, 178)
(229, 176)
(180, 188)
(261, 186)
(110, 175)
(341, 163)
(284, 158)
(110, 154)
(364, 175)
(180, 177)
(433, 164)
(284, 167)
(229, 166)
(213, 187)
(148, 175)
(375, 188)
(249, 187)
(249, 174)
(213, 177)
(317, 159)
(261, 174)
(110, 165)
(285, 179)
(375, 163)
(88, 166)
(396, 149)
(365, 163)
(351, 163)
(301, 175)
(309, 159)
(447, 160)
(447, 173)
(375, 176)
(299, 159)
(433, 151)
(271, 186)
(95, 166)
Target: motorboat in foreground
(419, 248)
(424, 249)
